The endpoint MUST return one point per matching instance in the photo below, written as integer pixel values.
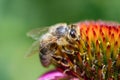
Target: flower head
(86, 51)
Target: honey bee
(56, 45)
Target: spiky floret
(99, 51)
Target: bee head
(62, 30)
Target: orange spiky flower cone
(102, 48)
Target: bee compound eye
(73, 33)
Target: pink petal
(56, 75)
(52, 75)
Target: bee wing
(33, 49)
(36, 33)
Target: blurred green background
(17, 17)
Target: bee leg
(75, 66)
(67, 70)
(57, 58)
(64, 62)
(61, 60)
(65, 50)
(70, 68)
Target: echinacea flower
(83, 51)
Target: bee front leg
(63, 62)
(72, 63)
